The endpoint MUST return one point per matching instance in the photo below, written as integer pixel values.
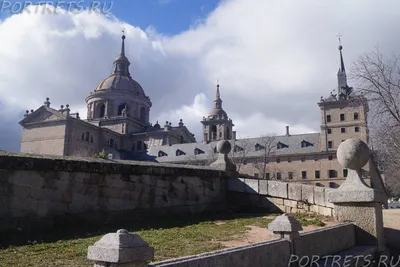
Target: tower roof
(120, 78)
(217, 111)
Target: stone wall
(44, 192)
(321, 242)
(245, 193)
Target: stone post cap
(224, 147)
(120, 247)
(223, 162)
(285, 223)
(353, 154)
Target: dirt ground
(257, 234)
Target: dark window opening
(278, 176)
(330, 144)
(356, 129)
(111, 143)
(289, 160)
(181, 139)
(317, 174)
(303, 159)
(267, 176)
(344, 172)
(102, 110)
(281, 145)
(278, 160)
(290, 175)
(304, 175)
(121, 107)
(256, 175)
(139, 145)
(330, 157)
(198, 151)
(329, 131)
(328, 118)
(162, 153)
(87, 136)
(355, 116)
(332, 174)
(91, 139)
(342, 130)
(341, 117)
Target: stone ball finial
(47, 99)
(31, 110)
(340, 47)
(27, 111)
(224, 147)
(353, 154)
(62, 106)
(67, 106)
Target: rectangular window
(332, 174)
(355, 116)
(356, 129)
(330, 144)
(317, 174)
(278, 160)
(344, 172)
(330, 157)
(342, 130)
(289, 160)
(341, 117)
(278, 176)
(303, 159)
(290, 175)
(256, 175)
(328, 118)
(316, 158)
(304, 175)
(267, 176)
(329, 131)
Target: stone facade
(306, 158)
(44, 192)
(118, 113)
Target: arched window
(102, 110)
(83, 136)
(139, 145)
(213, 132)
(91, 139)
(121, 108)
(143, 115)
(181, 139)
(228, 134)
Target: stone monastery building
(118, 123)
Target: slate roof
(293, 143)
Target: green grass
(171, 237)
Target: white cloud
(273, 59)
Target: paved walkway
(391, 222)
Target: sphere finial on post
(223, 162)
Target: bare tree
(266, 144)
(239, 152)
(378, 78)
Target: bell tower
(217, 126)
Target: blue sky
(166, 16)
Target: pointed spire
(217, 95)
(218, 101)
(343, 90)
(121, 62)
(123, 43)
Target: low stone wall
(278, 196)
(320, 242)
(44, 192)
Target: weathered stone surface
(307, 193)
(294, 191)
(251, 186)
(285, 223)
(319, 196)
(256, 255)
(263, 187)
(236, 184)
(277, 189)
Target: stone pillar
(120, 249)
(356, 202)
(223, 162)
(286, 227)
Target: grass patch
(170, 236)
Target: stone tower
(119, 102)
(343, 115)
(217, 126)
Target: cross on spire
(338, 36)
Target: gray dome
(119, 82)
(218, 112)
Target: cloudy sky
(273, 59)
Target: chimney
(287, 131)
(233, 135)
